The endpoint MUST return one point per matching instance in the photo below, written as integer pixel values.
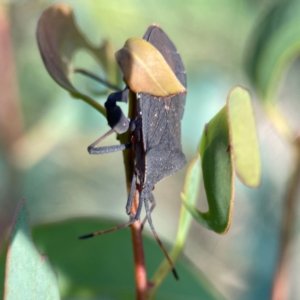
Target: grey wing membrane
(154, 119)
(161, 137)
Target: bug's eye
(132, 125)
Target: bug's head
(115, 117)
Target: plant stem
(280, 290)
(139, 260)
(90, 102)
(137, 241)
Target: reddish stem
(138, 252)
(137, 241)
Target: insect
(156, 134)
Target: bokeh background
(45, 133)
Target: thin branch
(137, 241)
(139, 260)
(280, 290)
(90, 102)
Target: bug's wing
(161, 137)
(157, 37)
(152, 111)
(161, 118)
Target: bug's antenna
(158, 239)
(107, 230)
(101, 138)
(97, 78)
(135, 218)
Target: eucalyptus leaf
(218, 175)
(189, 197)
(244, 141)
(58, 39)
(145, 69)
(28, 273)
(103, 267)
(229, 144)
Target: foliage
(28, 274)
(79, 265)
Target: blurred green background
(45, 133)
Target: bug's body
(156, 132)
(157, 129)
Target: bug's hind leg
(153, 205)
(158, 239)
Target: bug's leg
(135, 218)
(158, 239)
(131, 194)
(102, 150)
(153, 204)
(108, 149)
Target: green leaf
(189, 197)
(243, 136)
(218, 175)
(58, 39)
(275, 43)
(28, 274)
(102, 267)
(229, 144)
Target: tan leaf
(58, 39)
(145, 69)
